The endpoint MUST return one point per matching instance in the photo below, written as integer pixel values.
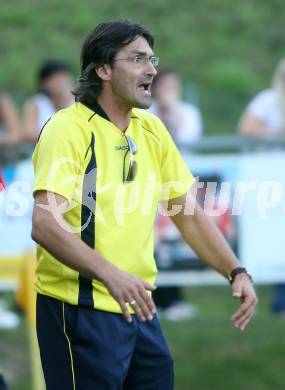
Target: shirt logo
(122, 147)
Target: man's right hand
(130, 290)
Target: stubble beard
(143, 104)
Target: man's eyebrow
(141, 53)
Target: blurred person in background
(3, 385)
(9, 136)
(54, 93)
(183, 121)
(9, 122)
(264, 118)
(55, 83)
(2, 184)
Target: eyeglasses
(131, 173)
(141, 60)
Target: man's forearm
(207, 241)
(68, 248)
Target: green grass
(209, 353)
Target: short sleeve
(191, 128)
(57, 158)
(260, 104)
(176, 178)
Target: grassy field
(209, 353)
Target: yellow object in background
(25, 294)
(9, 272)
(26, 299)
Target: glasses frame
(132, 148)
(140, 60)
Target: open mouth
(145, 88)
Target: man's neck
(117, 114)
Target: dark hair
(49, 68)
(100, 47)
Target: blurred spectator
(265, 118)
(9, 135)
(54, 93)
(2, 184)
(9, 126)
(9, 122)
(3, 385)
(183, 121)
(8, 319)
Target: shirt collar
(97, 109)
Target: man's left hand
(244, 291)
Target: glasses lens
(155, 61)
(130, 173)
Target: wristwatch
(236, 271)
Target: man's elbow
(245, 131)
(38, 229)
(35, 233)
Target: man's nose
(151, 69)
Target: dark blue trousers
(278, 299)
(88, 349)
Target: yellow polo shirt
(81, 156)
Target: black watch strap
(236, 271)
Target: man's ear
(104, 72)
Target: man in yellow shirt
(101, 168)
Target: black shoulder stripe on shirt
(91, 116)
(42, 129)
(151, 133)
(88, 205)
(87, 151)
